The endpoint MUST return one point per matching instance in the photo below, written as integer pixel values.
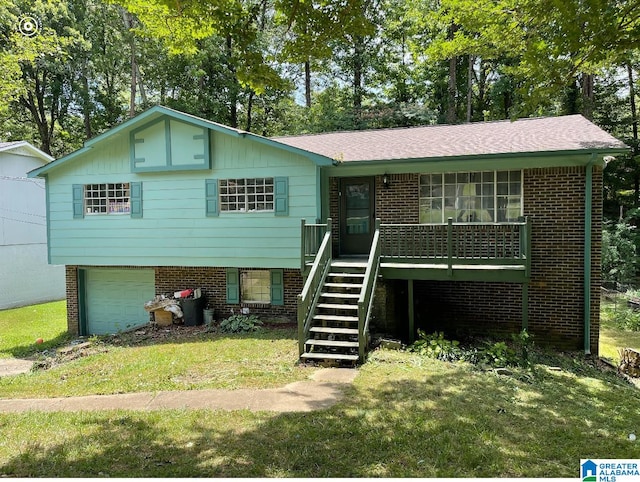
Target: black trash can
(192, 310)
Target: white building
(25, 275)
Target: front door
(356, 215)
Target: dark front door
(356, 215)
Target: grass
(613, 314)
(183, 360)
(21, 327)
(404, 416)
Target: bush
(625, 318)
(496, 354)
(436, 346)
(619, 253)
(240, 324)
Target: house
(479, 228)
(25, 276)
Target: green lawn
(21, 327)
(404, 416)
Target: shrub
(496, 354)
(619, 252)
(436, 346)
(240, 324)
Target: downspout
(588, 201)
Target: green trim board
(467, 163)
(441, 272)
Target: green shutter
(281, 196)
(277, 287)
(135, 198)
(233, 286)
(211, 195)
(78, 201)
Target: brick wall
(554, 201)
(213, 283)
(73, 320)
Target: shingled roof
(533, 135)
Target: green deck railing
(365, 302)
(457, 243)
(308, 299)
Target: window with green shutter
(115, 198)
(257, 286)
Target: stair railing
(308, 299)
(365, 302)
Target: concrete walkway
(322, 390)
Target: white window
(255, 286)
(112, 198)
(246, 195)
(471, 197)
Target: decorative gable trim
(168, 144)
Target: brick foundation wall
(213, 283)
(73, 317)
(554, 202)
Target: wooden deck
(494, 252)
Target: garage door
(115, 299)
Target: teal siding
(178, 228)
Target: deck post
(525, 306)
(450, 245)
(303, 254)
(331, 244)
(412, 336)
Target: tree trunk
(127, 18)
(358, 66)
(307, 83)
(250, 110)
(86, 108)
(233, 87)
(469, 88)
(452, 90)
(587, 96)
(634, 125)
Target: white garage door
(115, 299)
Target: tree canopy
(74, 68)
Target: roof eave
(596, 151)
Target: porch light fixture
(385, 181)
